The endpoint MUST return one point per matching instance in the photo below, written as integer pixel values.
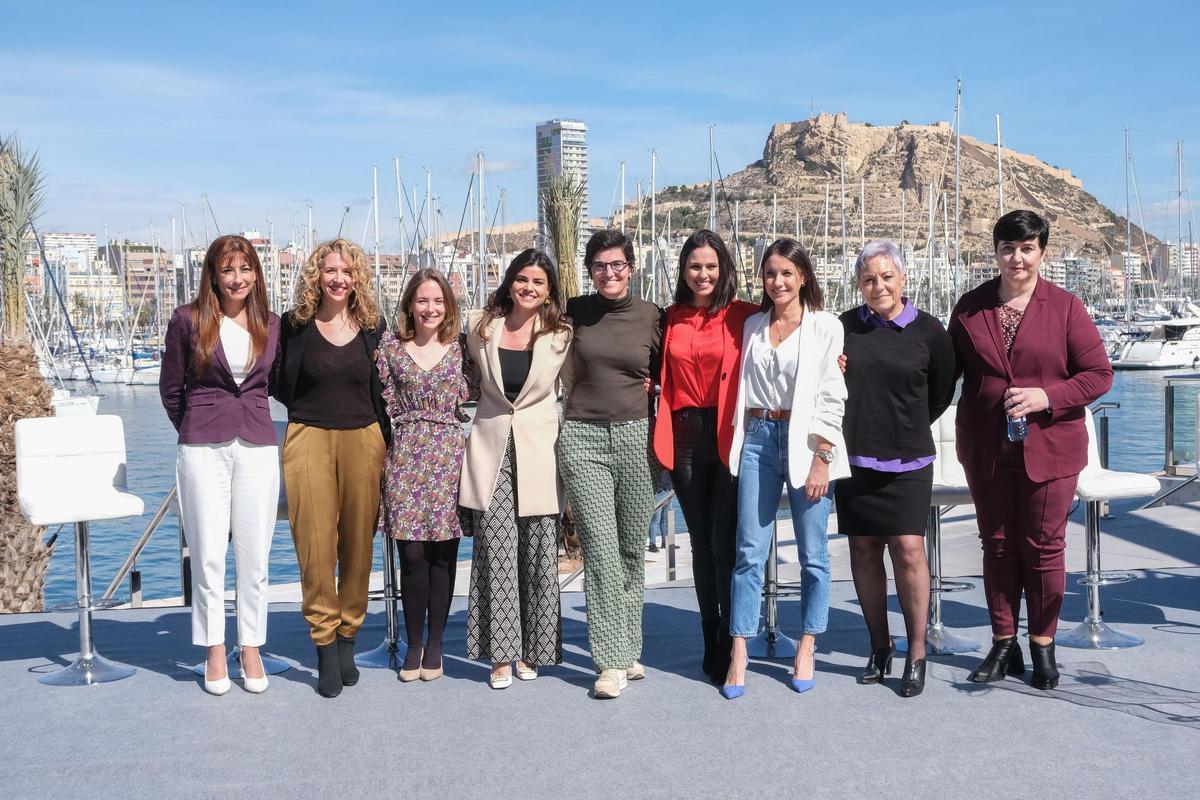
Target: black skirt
(874, 503)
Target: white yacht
(1171, 344)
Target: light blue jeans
(761, 477)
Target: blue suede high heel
(802, 685)
(732, 692)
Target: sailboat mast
(712, 186)
(999, 167)
(622, 197)
(957, 180)
(1127, 266)
(375, 225)
(653, 222)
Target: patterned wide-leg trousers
(606, 470)
(513, 610)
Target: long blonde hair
(362, 305)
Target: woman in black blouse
(899, 378)
(338, 430)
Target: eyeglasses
(616, 267)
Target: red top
(693, 358)
(701, 366)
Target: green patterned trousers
(606, 470)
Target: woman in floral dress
(422, 371)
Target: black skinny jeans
(707, 494)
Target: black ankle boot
(879, 664)
(913, 682)
(349, 670)
(1003, 659)
(708, 664)
(329, 671)
(1045, 671)
(721, 659)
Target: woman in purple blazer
(1031, 360)
(219, 365)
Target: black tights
(911, 570)
(427, 571)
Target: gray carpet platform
(1122, 723)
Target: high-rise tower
(562, 148)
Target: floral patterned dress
(422, 467)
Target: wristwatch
(824, 455)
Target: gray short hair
(880, 247)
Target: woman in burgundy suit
(1032, 360)
(218, 366)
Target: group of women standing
(754, 400)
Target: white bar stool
(1098, 485)
(70, 471)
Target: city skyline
(264, 114)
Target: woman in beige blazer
(516, 347)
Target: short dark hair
(725, 291)
(606, 239)
(1019, 226)
(793, 251)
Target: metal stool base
(271, 664)
(385, 656)
(87, 671)
(771, 644)
(941, 641)
(1090, 635)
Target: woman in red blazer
(1029, 353)
(702, 347)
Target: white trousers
(224, 489)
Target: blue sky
(137, 107)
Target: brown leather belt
(762, 413)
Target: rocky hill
(895, 170)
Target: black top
(334, 386)
(898, 381)
(616, 347)
(296, 338)
(514, 370)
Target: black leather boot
(345, 651)
(879, 663)
(721, 659)
(1003, 659)
(710, 631)
(913, 682)
(329, 671)
(1045, 671)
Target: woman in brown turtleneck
(604, 452)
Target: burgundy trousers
(1022, 529)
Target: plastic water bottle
(1018, 429)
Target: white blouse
(235, 341)
(771, 374)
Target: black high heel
(879, 664)
(1045, 671)
(1003, 659)
(913, 682)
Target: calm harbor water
(1136, 445)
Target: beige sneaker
(610, 683)
(635, 672)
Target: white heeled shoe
(218, 687)
(252, 685)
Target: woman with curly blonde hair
(338, 431)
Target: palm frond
(563, 203)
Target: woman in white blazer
(787, 431)
(515, 348)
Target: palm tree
(563, 201)
(24, 557)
